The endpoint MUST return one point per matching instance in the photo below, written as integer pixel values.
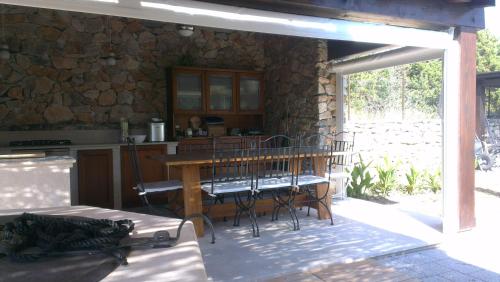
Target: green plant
(361, 180)
(387, 179)
(413, 179)
(433, 180)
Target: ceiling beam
(235, 18)
(429, 14)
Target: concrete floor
(362, 230)
(467, 256)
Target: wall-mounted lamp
(185, 30)
(4, 52)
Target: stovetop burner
(32, 143)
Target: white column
(451, 149)
(341, 84)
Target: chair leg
(328, 209)
(205, 219)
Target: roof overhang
(387, 57)
(237, 18)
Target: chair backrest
(344, 142)
(229, 164)
(277, 157)
(314, 148)
(136, 169)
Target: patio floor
(362, 230)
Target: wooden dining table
(190, 163)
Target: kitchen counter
(6, 149)
(35, 182)
(182, 262)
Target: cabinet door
(188, 89)
(250, 93)
(95, 178)
(220, 87)
(152, 170)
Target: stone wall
(56, 77)
(495, 127)
(417, 143)
(300, 93)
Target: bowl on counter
(138, 138)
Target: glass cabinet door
(220, 92)
(249, 93)
(189, 92)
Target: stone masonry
(56, 77)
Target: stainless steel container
(156, 132)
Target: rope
(49, 235)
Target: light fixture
(185, 30)
(110, 58)
(4, 48)
(4, 52)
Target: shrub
(361, 180)
(387, 179)
(413, 179)
(433, 181)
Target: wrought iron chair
(277, 160)
(336, 153)
(143, 189)
(234, 172)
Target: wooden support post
(467, 124)
(192, 195)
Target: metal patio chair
(234, 173)
(144, 189)
(310, 175)
(277, 160)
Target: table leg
(321, 189)
(192, 195)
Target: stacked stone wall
(300, 92)
(56, 77)
(417, 143)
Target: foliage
(413, 181)
(361, 180)
(433, 180)
(416, 86)
(488, 52)
(387, 179)
(424, 85)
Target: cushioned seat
(162, 186)
(274, 183)
(227, 187)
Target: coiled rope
(31, 237)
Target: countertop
(82, 146)
(180, 263)
(31, 162)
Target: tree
(488, 52)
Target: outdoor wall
(56, 78)
(495, 127)
(300, 92)
(411, 142)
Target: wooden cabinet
(95, 178)
(237, 96)
(152, 170)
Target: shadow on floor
(362, 230)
